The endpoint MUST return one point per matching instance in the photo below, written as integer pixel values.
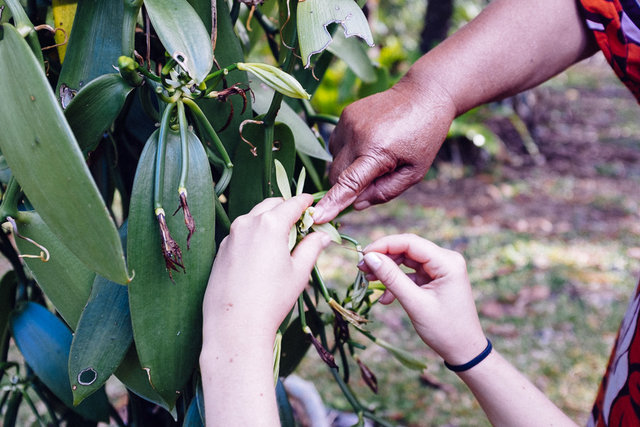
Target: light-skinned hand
(436, 295)
(255, 281)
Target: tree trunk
(436, 23)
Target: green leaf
(8, 286)
(246, 184)
(95, 43)
(305, 140)
(44, 342)
(64, 279)
(92, 111)
(228, 51)
(284, 406)
(167, 316)
(192, 418)
(101, 339)
(131, 374)
(315, 15)
(294, 346)
(44, 157)
(183, 35)
(351, 51)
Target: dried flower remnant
(350, 316)
(368, 376)
(170, 249)
(324, 354)
(188, 218)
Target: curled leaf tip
(170, 249)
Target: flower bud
(276, 79)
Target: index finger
(350, 183)
(435, 260)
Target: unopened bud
(276, 79)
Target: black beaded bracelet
(473, 362)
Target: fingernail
(361, 205)
(373, 260)
(317, 213)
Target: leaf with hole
(315, 15)
(34, 328)
(183, 35)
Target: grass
(560, 339)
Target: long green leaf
(183, 35)
(42, 152)
(305, 140)
(92, 111)
(94, 45)
(44, 341)
(101, 339)
(351, 51)
(167, 316)
(315, 15)
(64, 279)
(131, 374)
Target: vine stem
(158, 179)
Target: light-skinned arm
(385, 143)
(254, 283)
(438, 299)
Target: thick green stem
(158, 179)
(211, 133)
(222, 217)
(131, 10)
(319, 283)
(184, 145)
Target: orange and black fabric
(616, 27)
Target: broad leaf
(131, 374)
(34, 329)
(95, 43)
(167, 315)
(305, 140)
(183, 35)
(351, 51)
(64, 279)
(92, 111)
(63, 12)
(101, 339)
(42, 152)
(247, 181)
(315, 15)
(192, 418)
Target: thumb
(308, 250)
(395, 280)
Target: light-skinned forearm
(237, 376)
(508, 398)
(511, 46)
